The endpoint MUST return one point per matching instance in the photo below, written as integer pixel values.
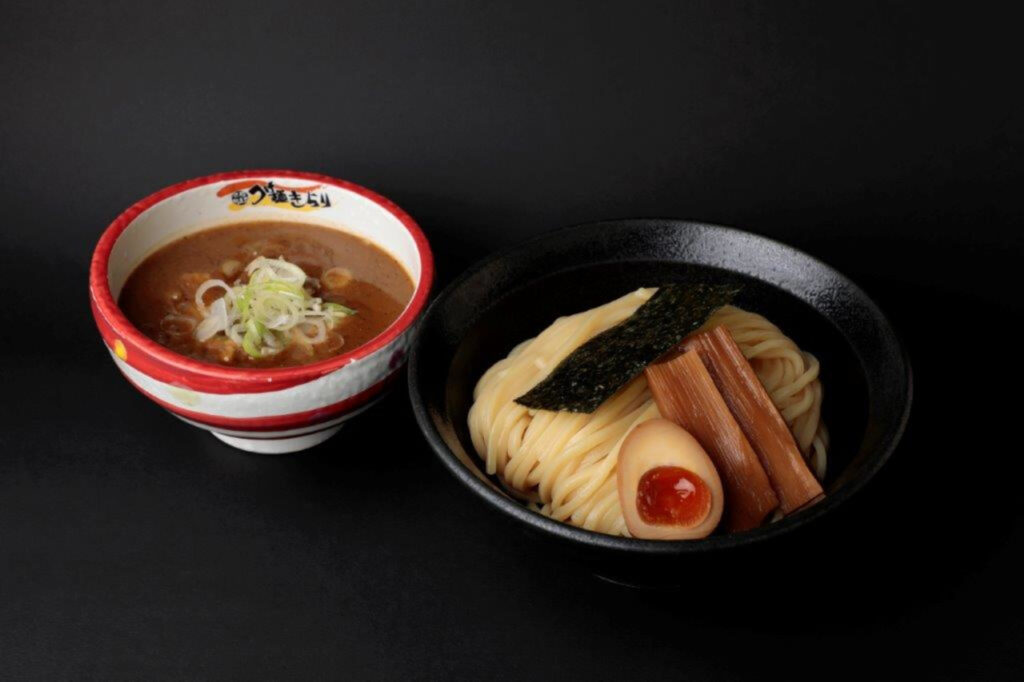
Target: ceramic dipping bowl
(259, 410)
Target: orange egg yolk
(672, 496)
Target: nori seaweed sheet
(608, 361)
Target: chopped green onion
(339, 308)
(262, 314)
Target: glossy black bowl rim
(592, 539)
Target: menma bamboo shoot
(757, 416)
(686, 394)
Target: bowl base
(278, 446)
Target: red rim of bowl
(99, 287)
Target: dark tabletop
(885, 140)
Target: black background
(884, 139)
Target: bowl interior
(234, 198)
(512, 297)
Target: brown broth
(165, 284)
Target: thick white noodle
(565, 463)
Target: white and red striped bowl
(266, 410)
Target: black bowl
(515, 294)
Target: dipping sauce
(343, 273)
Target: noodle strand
(564, 463)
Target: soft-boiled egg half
(668, 487)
